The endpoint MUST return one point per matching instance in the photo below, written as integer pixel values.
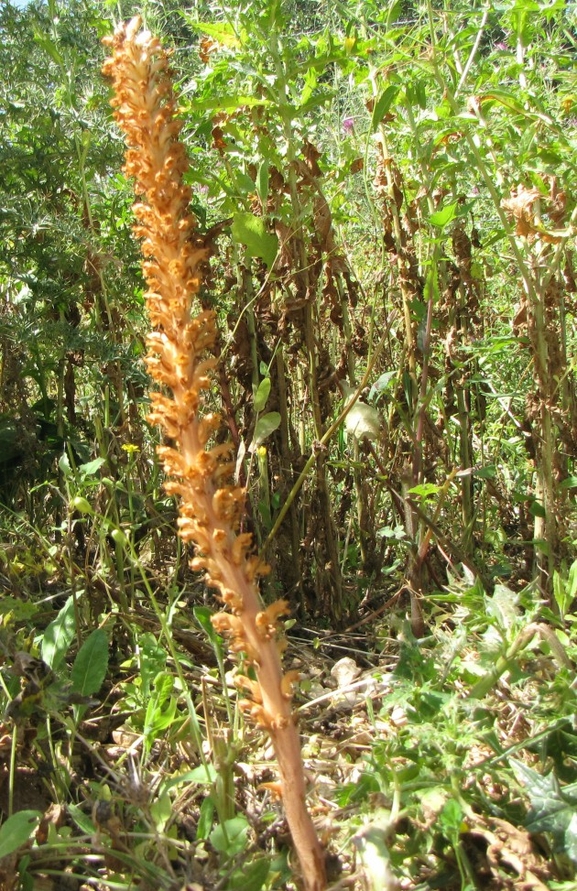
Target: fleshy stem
(179, 360)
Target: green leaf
(230, 838)
(163, 687)
(262, 394)
(382, 105)
(81, 819)
(488, 472)
(431, 292)
(251, 877)
(502, 605)
(537, 509)
(59, 635)
(249, 230)
(203, 775)
(91, 467)
(223, 32)
(445, 215)
(49, 47)
(89, 669)
(205, 818)
(265, 425)
(161, 810)
(262, 181)
(228, 102)
(553, 809)
(572, 581)
(16, 830)
(161, 708)
(451, 818)
(203, 615)
(425, 490)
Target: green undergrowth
(126, 763)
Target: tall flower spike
(177, 359)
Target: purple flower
(502, 46)
(348, 125)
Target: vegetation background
(388, 194)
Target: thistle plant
(181, 361)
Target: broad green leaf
(383, 104)
(163, 687)
(16, 830)
(265, 425)
(158, 719)
(445, 215)
(203, 775)
(161, 810)
(59, 635)
(89, 669)
(244, 183)
(488, 472)
(230, 838)
(537, 509)
(223, 32)
(561, 594)
(81, 819)
(249, 230)
(91, 467)
(416, 94)
(262, 394)
(451, 818)
(425, 490)
(251, 877)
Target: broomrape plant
(179, 360)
